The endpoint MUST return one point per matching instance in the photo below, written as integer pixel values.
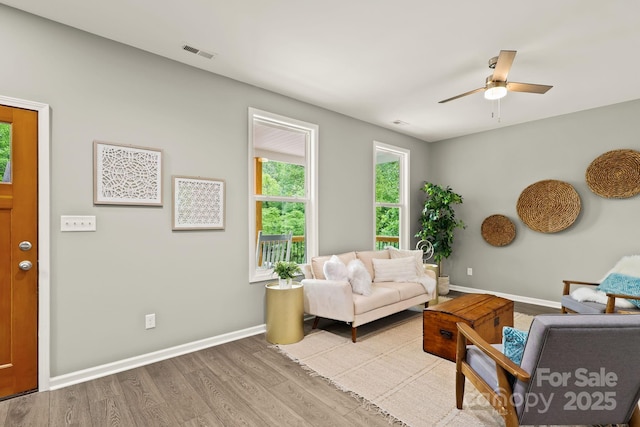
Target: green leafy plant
(438, 220)
(287, 269)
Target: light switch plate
(77, 223)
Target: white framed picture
(126, 175)
(198, 203)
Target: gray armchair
(571, 305)
(579, 369)
(619, 284)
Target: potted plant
(286, 271)
(438, 222)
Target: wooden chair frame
(611, 298)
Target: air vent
(198, 51)
(190, 49)
(205, 54)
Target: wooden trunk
(486, 314)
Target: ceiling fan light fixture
(495, 90)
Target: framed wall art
(198, 203)
(126, 175)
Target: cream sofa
(336, 299)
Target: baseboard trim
(72, 378)
(527, 300)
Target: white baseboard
(71, 378)
(534, 301)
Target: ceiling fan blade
(527, 87)
(505, 59)
(461, 95)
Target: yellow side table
(285, 313)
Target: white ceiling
(386, 60)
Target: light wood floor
(242, 383)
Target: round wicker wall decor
(548, 206)
(498, 230)
(615, 174)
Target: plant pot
(285, 283)
(443, 285)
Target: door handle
(25, 245)
(25, 265)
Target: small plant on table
(286, 271)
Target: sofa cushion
(317, 263)
(483, 365)
(406, 290)
(584, 307)
(379, 297)
(367, 256)
(393, 270)
(403, 253)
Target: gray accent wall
(104, 282)
(491, 169)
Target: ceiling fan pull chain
(493, 109)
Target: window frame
(311, 188)
(404, 202)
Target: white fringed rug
(387, 368)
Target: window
(283, 186)
(5, 152)
(391, 210)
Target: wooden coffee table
(486, 314)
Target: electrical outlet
(150, 321)
(469, 271)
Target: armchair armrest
(466, 334)
(306, 271)
(611, 301)
(331, 299)
(568, 283)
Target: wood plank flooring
(241, 383)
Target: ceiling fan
(496, 85)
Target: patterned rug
(388, 369)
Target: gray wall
(103, 283)
(491, 169)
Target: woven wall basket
(615, 174)
(498, 230)
(548, 206)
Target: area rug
(387, 369)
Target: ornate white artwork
(126, 175)
(198, 203)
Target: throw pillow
(334, 269)
(394, 270)
(513, 341)
(395, 253)
(359, 278)
(617, 283)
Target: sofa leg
(426, 304)
(353, 334)
(315, 322)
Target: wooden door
(18, 254)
